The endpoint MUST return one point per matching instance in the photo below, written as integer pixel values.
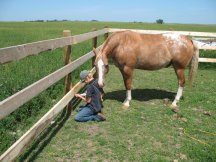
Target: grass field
(148, 131)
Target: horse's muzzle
(101, 85)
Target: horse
(131, 50)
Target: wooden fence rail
(14, 53)
(207, 60)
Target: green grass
(14, 33)
(126, 134)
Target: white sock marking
(128, 98)
(178, 96)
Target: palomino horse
(130, 50)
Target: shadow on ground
(140, 95)
(45, 138)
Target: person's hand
(80, 96)
(77, 95)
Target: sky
(170, 11)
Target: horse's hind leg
(181, 82)
(127, 76)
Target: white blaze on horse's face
(100, 65)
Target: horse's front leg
(127, 73)
(128, 98)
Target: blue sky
(171, 11)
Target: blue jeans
(86, 114)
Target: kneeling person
(92, 111)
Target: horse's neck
(107, 51)
(105, 58)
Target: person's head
(85, 76)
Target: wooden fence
(13, 102)
(14, 53)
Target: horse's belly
(152, 65)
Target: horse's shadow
(140, 95)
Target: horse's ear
(95, 52)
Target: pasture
(147, 131)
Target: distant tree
(94, 20)
(159, 21)
(39, 20)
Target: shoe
(101, 116)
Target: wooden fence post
(106, 34)
(94, 45)
(67, 60)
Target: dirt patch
(157, 144)
(93, 130)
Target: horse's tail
(194, 64)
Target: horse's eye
(106, 66)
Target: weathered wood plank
(207, 47)
(18, 52)
(212, 60)
(189, 33)
(15, 53)
(11, 103)
(204, 39)
(16, 149)
(86, 36)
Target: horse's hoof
(125, 107)
(173, 105)
(174, 108)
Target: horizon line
(94, 20)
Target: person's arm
(86, 99)
(80, 96)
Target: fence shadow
(45, 138)
(140, 95)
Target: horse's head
(101, 65)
